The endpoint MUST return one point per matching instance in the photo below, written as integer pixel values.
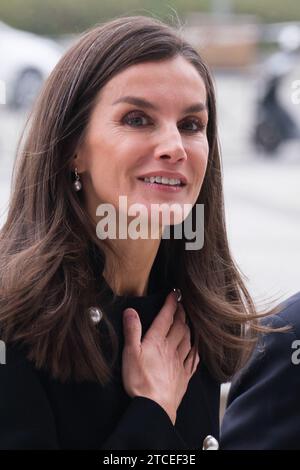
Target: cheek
(201, 159)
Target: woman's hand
(161, 366)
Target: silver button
(210, 443)
(95, 314)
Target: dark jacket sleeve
(145, 425)
(27, 420)
(263, 410)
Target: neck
(129, 274)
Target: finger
(192, 361)
(177, 331)
(179, 327)
(182, 312)
(185, 346)
(162, 322)
(132, 329)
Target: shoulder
(287, 316)
(289, 313)
(20, 375)
(265, 394)
(275, 344)
(273, 355)
(15, 369)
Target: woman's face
(151, 133)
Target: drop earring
(77, 183)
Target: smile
(166, 187)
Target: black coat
(264, 402)
(38, 412)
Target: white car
(25, 62)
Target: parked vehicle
(26, 60)
(274, 124)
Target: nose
(170, 146)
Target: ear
(78, 162)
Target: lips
(162, 187)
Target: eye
(134, 118)
(199, 125)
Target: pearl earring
(77, 184)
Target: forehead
(167, 80)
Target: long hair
(48, 277)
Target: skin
(119, 147)
(161, 365)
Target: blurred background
(253, 50)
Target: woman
(128, 111)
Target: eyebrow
(194, 108)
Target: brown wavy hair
(48, 277)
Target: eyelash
(137, 114)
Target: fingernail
(129, 314)
(178, 294)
